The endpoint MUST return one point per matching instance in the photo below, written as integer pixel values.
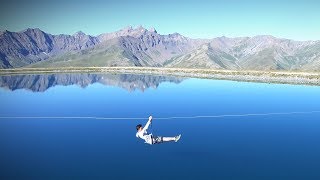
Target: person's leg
(175, 138)
(166, 139)
(160, 139)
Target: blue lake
(283, 146)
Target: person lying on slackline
(151, 139)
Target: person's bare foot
(177, 138)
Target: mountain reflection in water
(42, 82)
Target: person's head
(139, 127)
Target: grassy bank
(310, 78)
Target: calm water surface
(254, 147)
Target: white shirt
(143, 134)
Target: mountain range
(141, 47)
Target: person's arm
(148, 123)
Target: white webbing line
(173, 117)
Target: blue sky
(299, 20)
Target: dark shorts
(157, 139)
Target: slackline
(172, 117)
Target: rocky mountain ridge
(142, 47)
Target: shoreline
(282, 77)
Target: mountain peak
(32, 30)
(127, 29)
(130, 30)
(264, 37)
(152, 29)
(175, 34)
(79, 34)
(141, 29)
